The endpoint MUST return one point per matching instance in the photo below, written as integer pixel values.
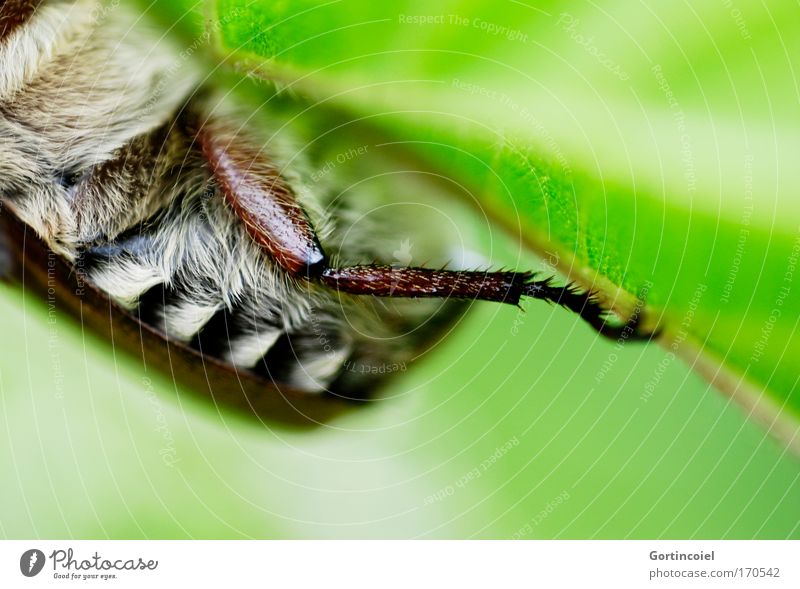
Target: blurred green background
(520, 425)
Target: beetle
(138, 188)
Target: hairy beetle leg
(499, 287)
(588, 307)
(390, 281)
(268, 207)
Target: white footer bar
(379, 564)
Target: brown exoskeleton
(200, 233)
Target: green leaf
(650, 146)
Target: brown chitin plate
(36, 268)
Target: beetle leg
(585, 304)
(499, 287)
(266, 204)
(262, 199)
